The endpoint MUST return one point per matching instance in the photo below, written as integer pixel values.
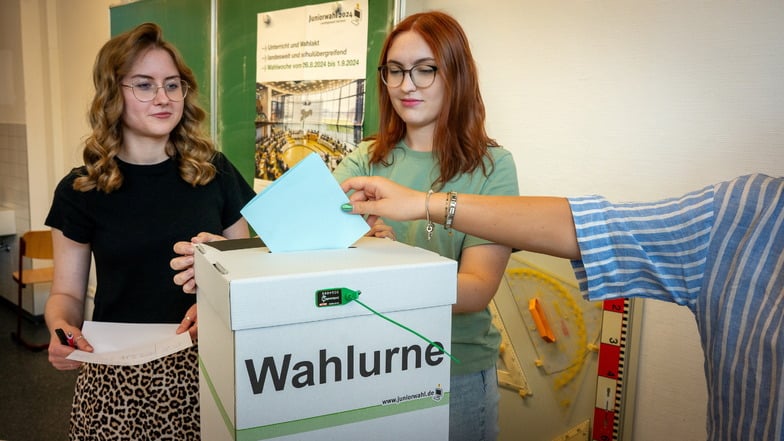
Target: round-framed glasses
(422, 75)
(145, 91)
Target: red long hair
(460, 141)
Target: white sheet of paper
(125, 344)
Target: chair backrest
(36, 244)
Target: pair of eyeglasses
(422, 75)
(145, 91)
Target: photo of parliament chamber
(304, 117)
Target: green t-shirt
(474, 338)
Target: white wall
(635, 100)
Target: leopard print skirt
(158, 400)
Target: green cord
(409, 330)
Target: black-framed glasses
(422, 75)
(145, 91)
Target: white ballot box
(285, 353)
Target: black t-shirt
(132, 231)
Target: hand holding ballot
(538, 224)
(377, 196)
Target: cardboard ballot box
(276, 365)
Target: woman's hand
(382, 230)
(377, 196)
(58, 351)
(189, 323)
(184, 263)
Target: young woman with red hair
(432, 138)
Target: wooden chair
(32, 245)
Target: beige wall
(59, 43)
(11, 78)
(47, 48)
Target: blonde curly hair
(187, 143)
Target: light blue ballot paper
(300, 211)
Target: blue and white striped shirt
(720, 252)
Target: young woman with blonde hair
(150, 178)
